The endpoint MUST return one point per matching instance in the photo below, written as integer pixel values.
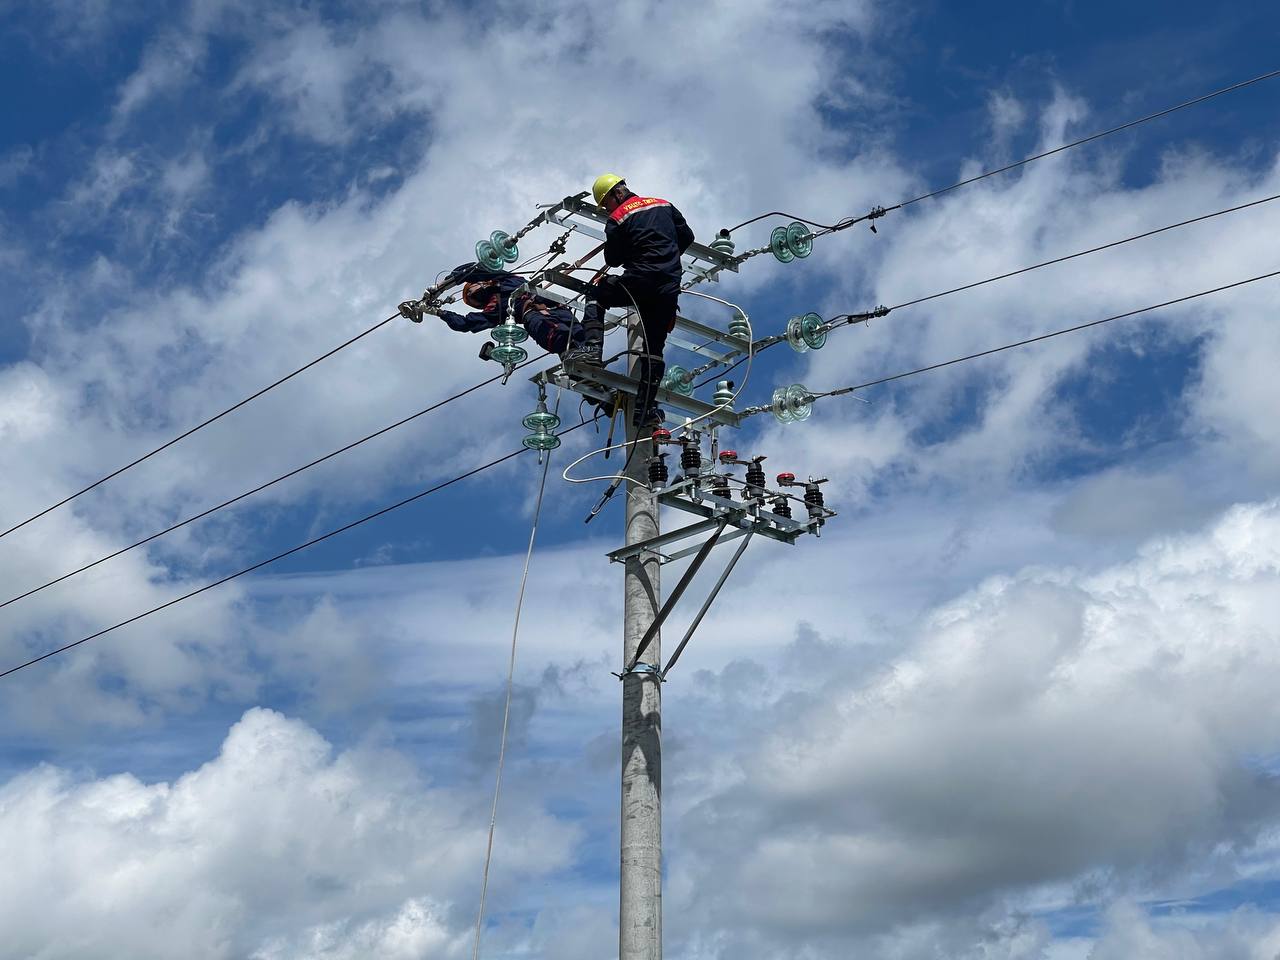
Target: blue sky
(1009, 705)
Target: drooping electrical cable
(279, 556)
(506, 709)
(199, 426)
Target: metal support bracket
(597, 382)
(706, 605)
(685, 579)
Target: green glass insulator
(813, 331)
(487, 255)
(722, 244)
(542, 441)
(739, 326)
(723, 397)
(541, 420)
(778, 244)
(778, 406)
(799, 402)
(677, 380)
(508, 333)
(506, 247)
(799, 239)
(795, 335)
(508, 355)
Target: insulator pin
(781, 506)
(722, 243)
(658, 469)
(739, 326)
(723, 397)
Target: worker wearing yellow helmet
(645, 236)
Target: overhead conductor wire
(1036, 339)
(263, 486)
(881, 211)
(279, 556)
(844, 319)
(506, 708)
(199, 426)
(285, 476)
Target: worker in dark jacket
(645, 236)
(490, 292)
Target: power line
(1095, 136)
(847, 318)
(198, 426)
(278, 556)
(1044, 336)
(1072, 256)
(881, 211)
(248, 493)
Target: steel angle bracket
(703, 551)
(653, 544)
(692, 335)
(706, 605)
(669, 604)
(747, 515)
(599, 383)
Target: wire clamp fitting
(644, 669)
(412, 310)
(875, 214)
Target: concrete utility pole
(640, 890)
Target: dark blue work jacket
(645, 236)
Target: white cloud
(1041, 729)
(1046, 724)
(279, 847)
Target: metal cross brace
(706, 605)
(685, 579)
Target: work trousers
(553, 330)
(657, 317)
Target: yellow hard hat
(604, 183)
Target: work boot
(590, 348)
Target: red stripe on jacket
(632, 204)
